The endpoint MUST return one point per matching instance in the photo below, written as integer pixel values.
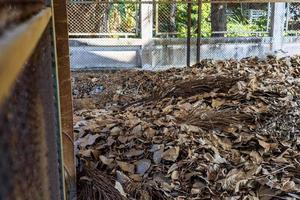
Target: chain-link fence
(292, 25)
(242, 20)
(155, 34)
(103, 19)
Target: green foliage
(261, 24)
(239, 17)
(238, 24)
(122, 18)
(182, 20)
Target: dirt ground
(217, 130)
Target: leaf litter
(217, 130)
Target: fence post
(277, 26)
(199, 30)
(146, 33)
(65, 90)
(188, 42)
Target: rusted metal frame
(199, 31)
(59, 141)
(17, 12)
(17, 47)
(65, 91)
(188, 42)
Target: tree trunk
(172, 23)
(218, 19)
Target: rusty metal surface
(29, 130)
(15, 13)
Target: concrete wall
(164, 53)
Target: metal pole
(188, 53)
(199, 30)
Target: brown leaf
(106, 160)
(255, 157)
(171, 154)
(175, 175)
(267, 146)
(137, 131)
(133, 153)
(126, 167)
(123, 139)
(86, 153)
(149, 133)
(88, 140)
(136, 177)
(116, 131)
(217, 103)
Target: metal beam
(199, 30)
(17, 47)
(188, 43)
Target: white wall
(160, 53)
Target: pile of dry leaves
(218, 130)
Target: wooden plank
(17, 46)
(65, 90)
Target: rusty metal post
(64, 77)
(199, 30)
(188, 43)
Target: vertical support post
(277, 26)
(65, 91)
(188, 43)
(199, 30)
(146, 32)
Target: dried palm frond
(144, 191)
(192, 87)
(94, 185)
(210, 119)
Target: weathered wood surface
(64, 76)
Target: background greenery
(173, 18)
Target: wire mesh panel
(30, 164)
(170, 19)
(245, 19)
(223, 29)
(292, 26)
(103, 19)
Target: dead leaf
(119, 187)
(217, 103)
(116, 131)
(255, 157)
(126, 167)
(142, 166)
(267, 146)
(137, 131)
(133, 153)
(88, 140)
(171, 154)
(106, 160)
(157, 156)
